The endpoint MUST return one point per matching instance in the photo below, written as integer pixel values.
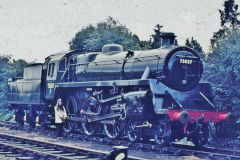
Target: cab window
(51, 68)
(62, 65)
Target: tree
(194, 45)
(145, 45)
(229, 21)
(8, 68)
(217, 38)
(223, 69)
(156, 37)
(229, 16)
(112, 31)
(222, 64)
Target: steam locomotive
(152, 94)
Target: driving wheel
(115, 129)
(133, 132)
(71, 109)
(90, 106)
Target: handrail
(114, 60)
(207, 100)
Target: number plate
(50, 85)
(186, 61)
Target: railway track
(210, 152)
(26, 148)
(174, 149)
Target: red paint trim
(209, 116)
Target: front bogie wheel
(162, 132)
(202, 135)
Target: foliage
(192, 43)
(112, 31)
(222, 65)
(229, 16)
(145, 45)
(223, 71)
(156, 37)
(8, 68)
(217, 38)
(229, 21)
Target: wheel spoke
(114, 130)
(117, 128)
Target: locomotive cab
(58, 70)
(52, 68)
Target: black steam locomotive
(139, 94)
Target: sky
(34, 29)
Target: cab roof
(58, 56)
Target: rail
(174, 149)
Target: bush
(223, 71)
